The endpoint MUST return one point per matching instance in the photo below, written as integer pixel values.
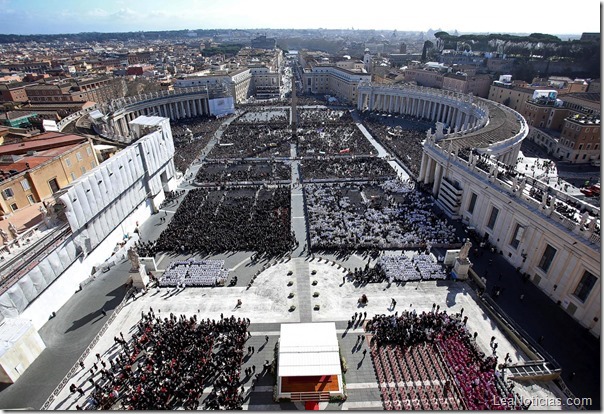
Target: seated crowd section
(205, 220)
(388, 215)
(405, 142)
(431, 362)
(257, 138)
(194, 273)
(191, 135)
(242, 171)
(371, 168)
(168, 362)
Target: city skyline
(469, 16)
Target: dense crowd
(474, 372)
(263, 116)
(253, 140)
(315, 116)
(205, 220)
(191, 136)
(168, 362)
(346, 167)
(333, 139)
(405, 142)
(237, 171)
(349, 216)
(400, 268)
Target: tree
(428, 45)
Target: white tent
(308, 350)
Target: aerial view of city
(235, 205)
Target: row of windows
(587, 282)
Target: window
(31, 200)
(83, 169)
(79, 156)
(68, 162)
(585, 286)
(517, 236)
(14, 207)
(73, 176)
(473, 198)
(8, 193)
(493, 218)
(25, 185)
(547, 258)
(54, 185)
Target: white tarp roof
(50, 125)
(10, 331)
(308, 349)
(147, 120)
(96, 114)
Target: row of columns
(173, 110)
(430, 172)
(449, 114)
(510, 157)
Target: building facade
(579, 141)
(332, 80)
(50, 163)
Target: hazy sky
(516, 16)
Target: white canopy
(308, 349)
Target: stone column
(437, 178)
(422, 168)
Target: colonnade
(173, 109)
(457, 111)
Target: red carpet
(311, 405)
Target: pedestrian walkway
(302, 272)
(382, 153)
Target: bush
(317, 307)
(292, 308)
(291, 295)
(290, 283)
(314, 283)
(314, 272)
(315, 295)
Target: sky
(474, 16)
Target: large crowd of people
(168, 362)
(474, 373)
(351, 216)
(253, 140)
(333, 139)
(263, 116)
(248, 219)
(238, 171)
(191, 136)
(319, 116)
(405, 142)
(371, 168)
(181, 274)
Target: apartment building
(580, 139)
(476, 84)
(33, 170)
(333, 80)
(98, 90)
